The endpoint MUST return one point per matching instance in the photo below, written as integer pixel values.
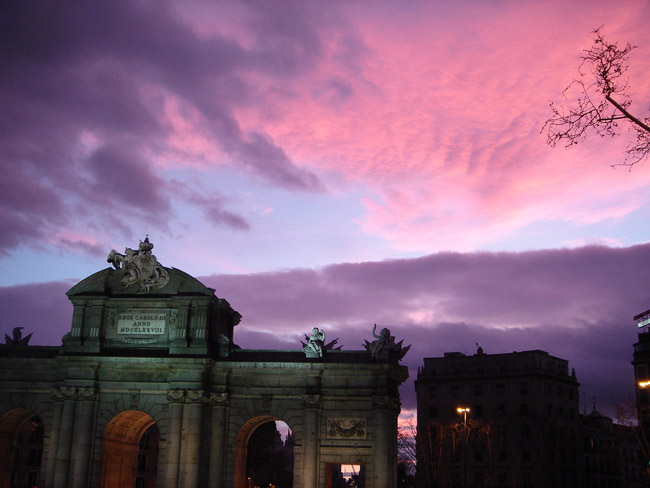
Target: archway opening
(264, 454)
(21, 449)
(130, 452)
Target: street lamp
(464, 411)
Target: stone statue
(142, 267)
(17, 339)
(385, 342)
(315, 343)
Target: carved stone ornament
(311, 401)
(142, 268)
(134, 399)
(193, 396)
(346, 428)
(175, 396)
(86, 393)
(218, 399)
(386, 402)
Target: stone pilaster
(82, 436)
(173, 448)
(219, 413)
(191, 438)
(385, 410)
(48, 482)
(62, 454)
(311, 440)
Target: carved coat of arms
(142, 267)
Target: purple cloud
(575, 304)
(83, 95)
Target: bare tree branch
(597, 100)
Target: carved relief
(346, 428)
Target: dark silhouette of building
(503, 420)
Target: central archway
(255, 429)
(130, 456)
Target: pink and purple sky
(331, 164)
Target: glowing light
(644, 384)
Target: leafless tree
(598, 101)
(406, 449)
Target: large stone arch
(241, 446)
(120, 448)
(14, 425)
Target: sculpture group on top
(141, 266)
(384, 344)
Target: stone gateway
(149, 390)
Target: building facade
(149, 390)
(503, 420)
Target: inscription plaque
(141, 323)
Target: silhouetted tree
(602, 102)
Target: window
(477, 411)
(455, 391)
(478, 390)
(525, 456)
(433, 412)
(501, 388)
(523, 388)
(523, 409)
(501, 410)
(478, 456)
(433, 391)
(503, 456)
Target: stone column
(191, 439)
(62, 455)
(173, 448)
(48, 482)
(384, 454)
(218, 410)
(82, 437)
(311, 440)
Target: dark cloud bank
(577, 304)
